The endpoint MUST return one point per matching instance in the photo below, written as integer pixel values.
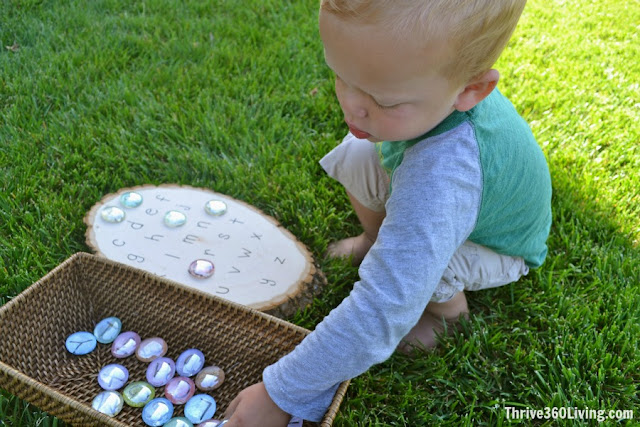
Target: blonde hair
(477, 31)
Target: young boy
(456, 197)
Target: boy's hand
(253, 407)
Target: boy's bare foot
(354, 247)
(432, 322)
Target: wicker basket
(35, 366)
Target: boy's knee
(356, 165)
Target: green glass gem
(138, 394)
(131, 199)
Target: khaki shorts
(355, 164)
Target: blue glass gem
(107, 330)
(215, 207)
(80, 343)
(190, 362)
(174, 219)
(112, 214)
(160, 371)
(108, 402)
(199, 408)
(131, 199)
(201, 269)
(113, 376)
(179, 422)
(157, 412)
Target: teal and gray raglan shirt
(479, 176)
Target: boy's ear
(475, 91)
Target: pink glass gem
(151, 349)
(201, 269)
(160, 371)
(179, 389)
(125, 344)
(210, 378)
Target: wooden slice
(256, 262)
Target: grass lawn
(234, 96)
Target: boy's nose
(352, 105)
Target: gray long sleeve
(432, 210)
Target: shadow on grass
(565, 336)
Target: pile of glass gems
(180, 378)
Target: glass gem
(190, 362)
(125, 344)
(199, 408)
(113, 376)
(212, 423)
(215, 207)
(151, 349)
(160, 371)
(174, 219)
(179, 422)
(80, 343)
(295, 422)
(157, 412)
(179, 389)
(107, 330)
(131, 199)
(108, 402)
(210, 378)
(201, 269)
(138, 393)
(112, 214)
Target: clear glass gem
(174, 219)
(157, 412)
(190, 362)
(160, 371)
(199, 408)
(80, 343)
(138, 393)
(131, 199)
(107, 330)
(201, 269)
(210, 378)
(112, 214)
(108, 402)
(113, 376)
(215, 207)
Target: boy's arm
(431, 212)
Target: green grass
(234, 96)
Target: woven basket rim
(59, 397)
(55, 395)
